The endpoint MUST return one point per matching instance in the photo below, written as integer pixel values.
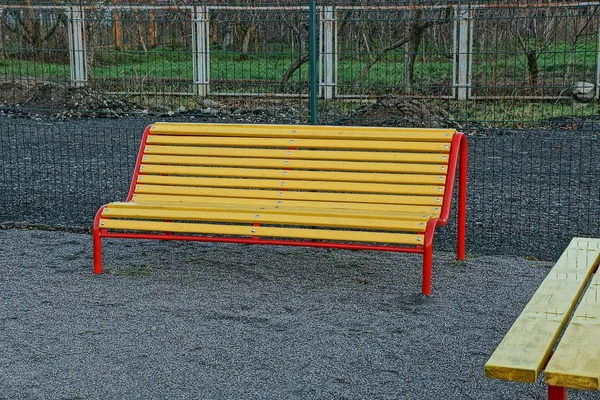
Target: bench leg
(97, 253)
(426, 287)
(462, 200)
(427, 256)
(557, 393)
(97, 244)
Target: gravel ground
(220, 321)
(529, 192)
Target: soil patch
(400, 111)
(62, 100)
(12, 93)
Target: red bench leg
(462, 200)
(97, 254)
(557, 393)
(426, 287)
(427, 253)
(97, 244)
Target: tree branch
(60, 18)
(290, 71)
(418, 26)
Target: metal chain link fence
(80, 81)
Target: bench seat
(341, 187)
(567, 303)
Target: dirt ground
(61, 100)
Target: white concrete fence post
(201, 50)
(598, 67)
(77, 48)
(327, 53)
(463, 49)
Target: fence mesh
(79, 82)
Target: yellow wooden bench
(529, 346)
(360, 188)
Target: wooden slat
(291, 195)
(263, 217)
(158, 169)
(526, 347)
(576, 361)
(299, 164)
(262, 231)
(281, 184)
(193, 201)
(197, 152)
(274, 208)
(304, 131)
(364, 145)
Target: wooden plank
(576, 361)
(253, 207)
(180, 153)
(193, 201)
(263, 217)
(525, 349)
(303, 131)
(262, 231)
(291, 195)
(343, 176)
(364, 145)
(435, 169)
(283, 184)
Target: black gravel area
(221, 321)
(529, 192)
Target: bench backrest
(360, 167)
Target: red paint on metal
(557, 393)
(457, 142)
(138, 162)
(462, 200)
(457, 148)
(346, 246)
(256, 237)
(427, 256)
(98, 242)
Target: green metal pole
(312, 27)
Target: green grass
(164, 69)
(469, 255)
(163, 63)
(270, 66)
(26, 68)
(511, 113)
(554, 60)
(135, 270)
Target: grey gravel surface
(173, 320)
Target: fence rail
(457, 51)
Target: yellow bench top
(526, 348)
(357, 184)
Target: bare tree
(152, 25)
(534, 30)
(413, 38)
(303, 56)
(32, 29)
(580, 25)
(247, 29)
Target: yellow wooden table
(568, 303)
